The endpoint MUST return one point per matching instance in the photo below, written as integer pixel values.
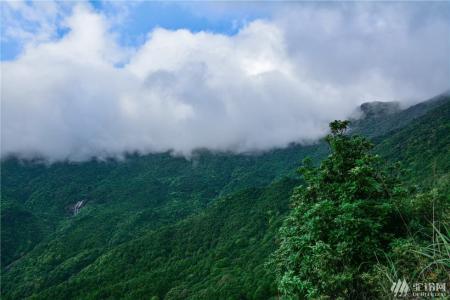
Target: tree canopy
(341, 219)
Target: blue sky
(195, 17)
(137, 19)
(134, 20)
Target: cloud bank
(276, 81)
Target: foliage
(341, 219)
(20, 230)
(126, 198)
(422, 146)
(424, 254)
(213, 255)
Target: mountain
(378, 109)
(379, 118)
(164, 226)
(423, 144)
(139, 194)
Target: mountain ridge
(148, 203)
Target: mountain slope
(423, 145)
(168, 227)
(132, 196)
(380, 118)
(218, 253)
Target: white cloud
(273, 83)
(32, 22)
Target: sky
(102, 79)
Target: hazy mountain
(159, 225)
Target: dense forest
(342, 218)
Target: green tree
(341, 220)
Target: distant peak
(379, 108)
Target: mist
(276, 81)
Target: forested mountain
(176, 228)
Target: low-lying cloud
(275, 82)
